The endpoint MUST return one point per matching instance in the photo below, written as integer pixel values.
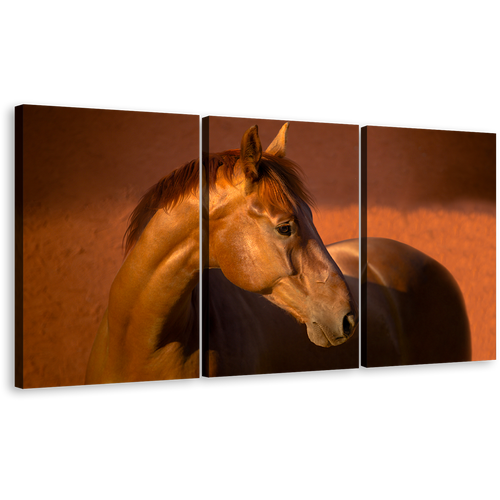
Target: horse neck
(150, 300)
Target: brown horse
(261, 244)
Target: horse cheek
(246, 264)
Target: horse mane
(279, 184)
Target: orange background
(85, 170)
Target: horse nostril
(348, 324)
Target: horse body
(416, 313)
(277, 296)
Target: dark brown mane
(279, 185)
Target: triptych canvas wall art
(81, 172)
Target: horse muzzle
(327, 334)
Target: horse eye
(285, 229)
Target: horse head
(262, 237)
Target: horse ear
(278, 146)
(251, 152)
